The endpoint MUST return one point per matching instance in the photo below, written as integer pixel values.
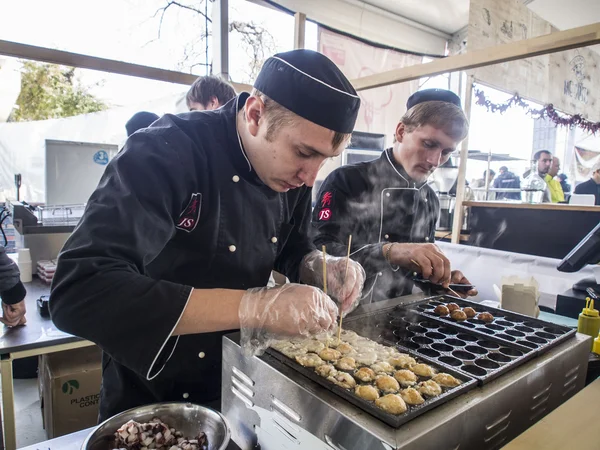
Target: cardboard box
(70, 386)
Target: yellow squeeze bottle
(589, 320)
(596, 345)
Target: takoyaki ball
(387, 384)
(445, 379)
(412, 396)
(392, 404)
(486, 317)
(429, 388)
(405, 377)
(441, 310)
(309, 360)
(314, 346)
(423, 370)
(470, 312)
(365, 374)
(382, 367)
(330, 354)
(367, 392)
(343, 379)
(458, 315)
(346, 363)
(344, 348)
(326, 370)
(452, 307)
(402, 360)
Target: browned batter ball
(452, 306)
(459, 315)
(441, 310)
(470, 312)
(486, 317)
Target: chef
(178, 241)
(387, 205)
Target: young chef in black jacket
(387, 205)
(180, 237)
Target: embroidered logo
(325, 214)
(188, 220)
(326, 199)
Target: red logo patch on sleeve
(326, 199)
(188, 220)
(325, 214)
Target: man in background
(208, 93)
(591, 186)
(566, 187)
(480, 183)
(544, 161)
(507, 180)
(556, 191)
(142, 119)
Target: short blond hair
(279, 116)
(441, 115)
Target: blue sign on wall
(101, 157)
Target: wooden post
(299, 30)
(462, 169)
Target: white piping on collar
(238, 134)
(400, 175)
(316, 79)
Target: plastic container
(24, 264)
(589, 320)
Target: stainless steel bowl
(188, 418)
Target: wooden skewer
(325, 283)
(448, 288)
(345, 276)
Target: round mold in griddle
(409, 344)
(423, 307)
(388, 335)
(512, 352)
(430, 325)
(474, 370)
(461, 354)
(513, 319)
(487, 331)
(506, 337)
(536, 339)
(428, 352)
(552, 330)
(494, 326)
(504, 323)
(397, 323)
(487, 364)
(422, 340)
(524, 329)
(447, 331)
(488, 344)
(435, 335)
(545, 335)
(528, 344)
(532, 324)
(442, 347)
(476, 321)
(465, 323)
(499, 357)
(435, 303)
(515, 333)
(417, 329)
(403, 334)
(477, 350)
(450, 361)
(466, 337)
(455, 342)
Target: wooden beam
(49, 55)
(550, 43)
(299, 30)
(462, 169)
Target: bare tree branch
(170, 3)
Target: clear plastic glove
(344, 288)
(288, 310)
(13, 315)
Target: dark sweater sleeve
(101, 291)
(11, 289)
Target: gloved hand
(13, 315)
(291, 309)
(344, 288)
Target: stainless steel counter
(271, 404)
(71, 441)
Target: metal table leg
(8, 403)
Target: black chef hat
(310, 85)
(431, 95)
(142, 119)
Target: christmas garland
(547, 111)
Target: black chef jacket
(589, 187)
(179, 208)
(376, 202)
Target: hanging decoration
(547, 111)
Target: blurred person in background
(208, 93)
(566, 187)
(556, 191)
(507, 180)
(591, 186)
(142, 119)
